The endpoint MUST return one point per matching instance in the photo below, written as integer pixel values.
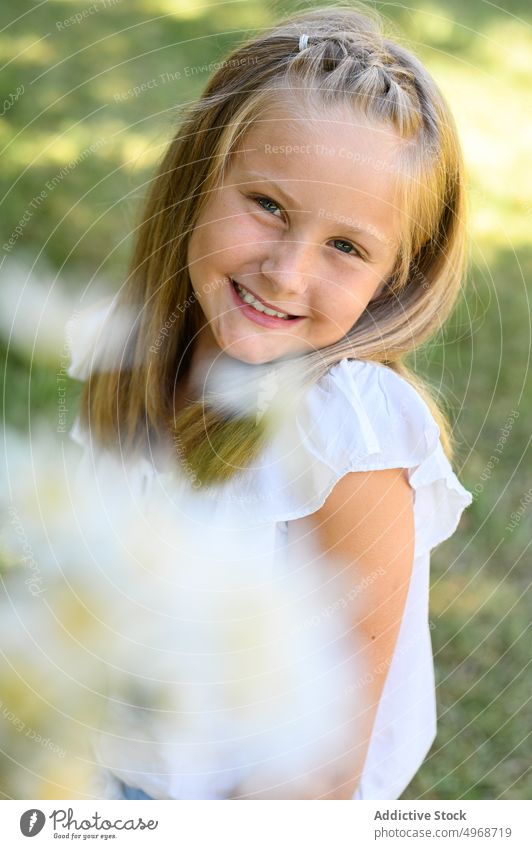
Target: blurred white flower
(40, 315)
(192, 660)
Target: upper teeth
(249, 299)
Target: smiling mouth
(252, 301)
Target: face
(304, 225)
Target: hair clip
(303, 42)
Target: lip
(261, 317)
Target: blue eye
(262, 201)
(348, 245)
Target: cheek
(241, 238)
(223, 242)
(338, 305)
(350, 300)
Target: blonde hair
(349, 60)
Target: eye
(346, 247)
(267, 204)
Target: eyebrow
(348, 228)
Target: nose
(288, 267)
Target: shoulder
(364, 409)
(380, 422)
(375, 428)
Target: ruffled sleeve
(359, 416)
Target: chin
(248, 352)
(252, 358)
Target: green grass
(77, 112)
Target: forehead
(353, 153)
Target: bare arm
(367, 526)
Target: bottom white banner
(260, 824)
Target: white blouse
(359, 416)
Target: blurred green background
(78, 147)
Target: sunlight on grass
(116, 146)
(185, 9)
(514, 62)
(28, 49)
(63, 151)
(137, 151)
(432, 25)
(227, 16)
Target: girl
(310, 209)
